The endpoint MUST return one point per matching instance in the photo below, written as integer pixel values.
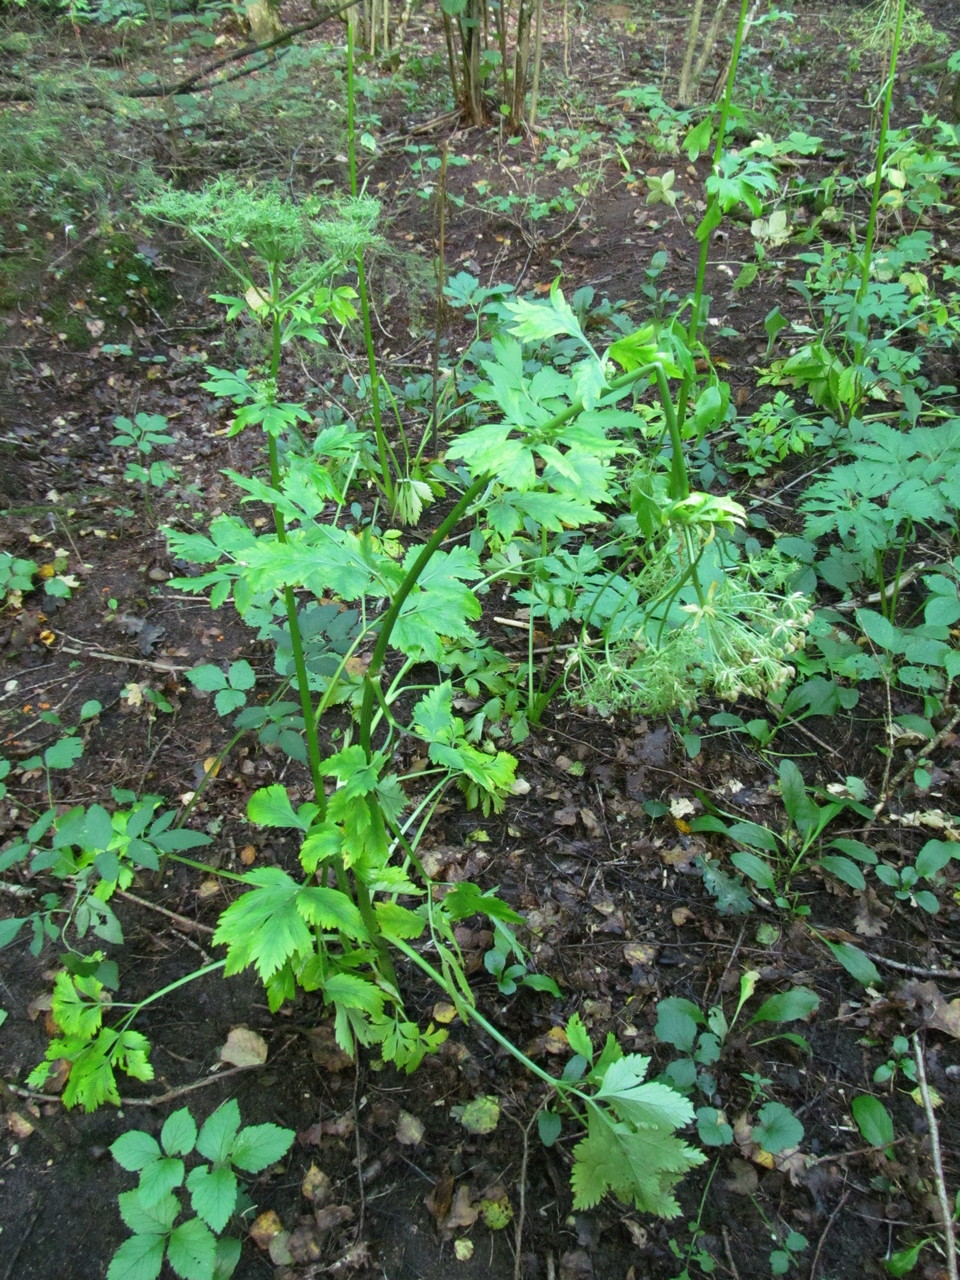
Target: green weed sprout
(194, 1248)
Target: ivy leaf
(677, 1023)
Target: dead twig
(167, 667)
(825, 1232)
(949, 1239)
(890, 786)
(915, 970)
(727, 1252)
(182, 922)
(522, 1209)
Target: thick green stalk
(860, 321)
(697, 318)
(696, 321)
(289, 600)
(383, 449)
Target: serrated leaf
(192, 1250)
(264, 927)
(271, 807)
(135, 1149)
(578, 1037)
(879, 629)
(159, 1178)
(213, 1194)
(63, 754)
(179, 1133)
(139, 1258)
(678, 1021)
(353, 993)
(145, 1219)
(331, 909)
(260, 1145)
(218, 1132)
(649, 1105)
(208, 678)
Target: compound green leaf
(264, 926)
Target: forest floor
(598, 854)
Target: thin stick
(949, 1240)
(157, 1101)
(825, 1232)
(183, 922)
(117, 657)
(915, 970)
(522, 1211)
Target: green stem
(289, 599)
(165, 991)
(470, 1013)
(860, 339)
(697, 319)
(383, 449)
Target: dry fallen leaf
(264, 1228)
(936, 1012)
(409, 1130)
(316, 1186)
(244, 1048)
(643, 953)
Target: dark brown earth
(616, 909)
